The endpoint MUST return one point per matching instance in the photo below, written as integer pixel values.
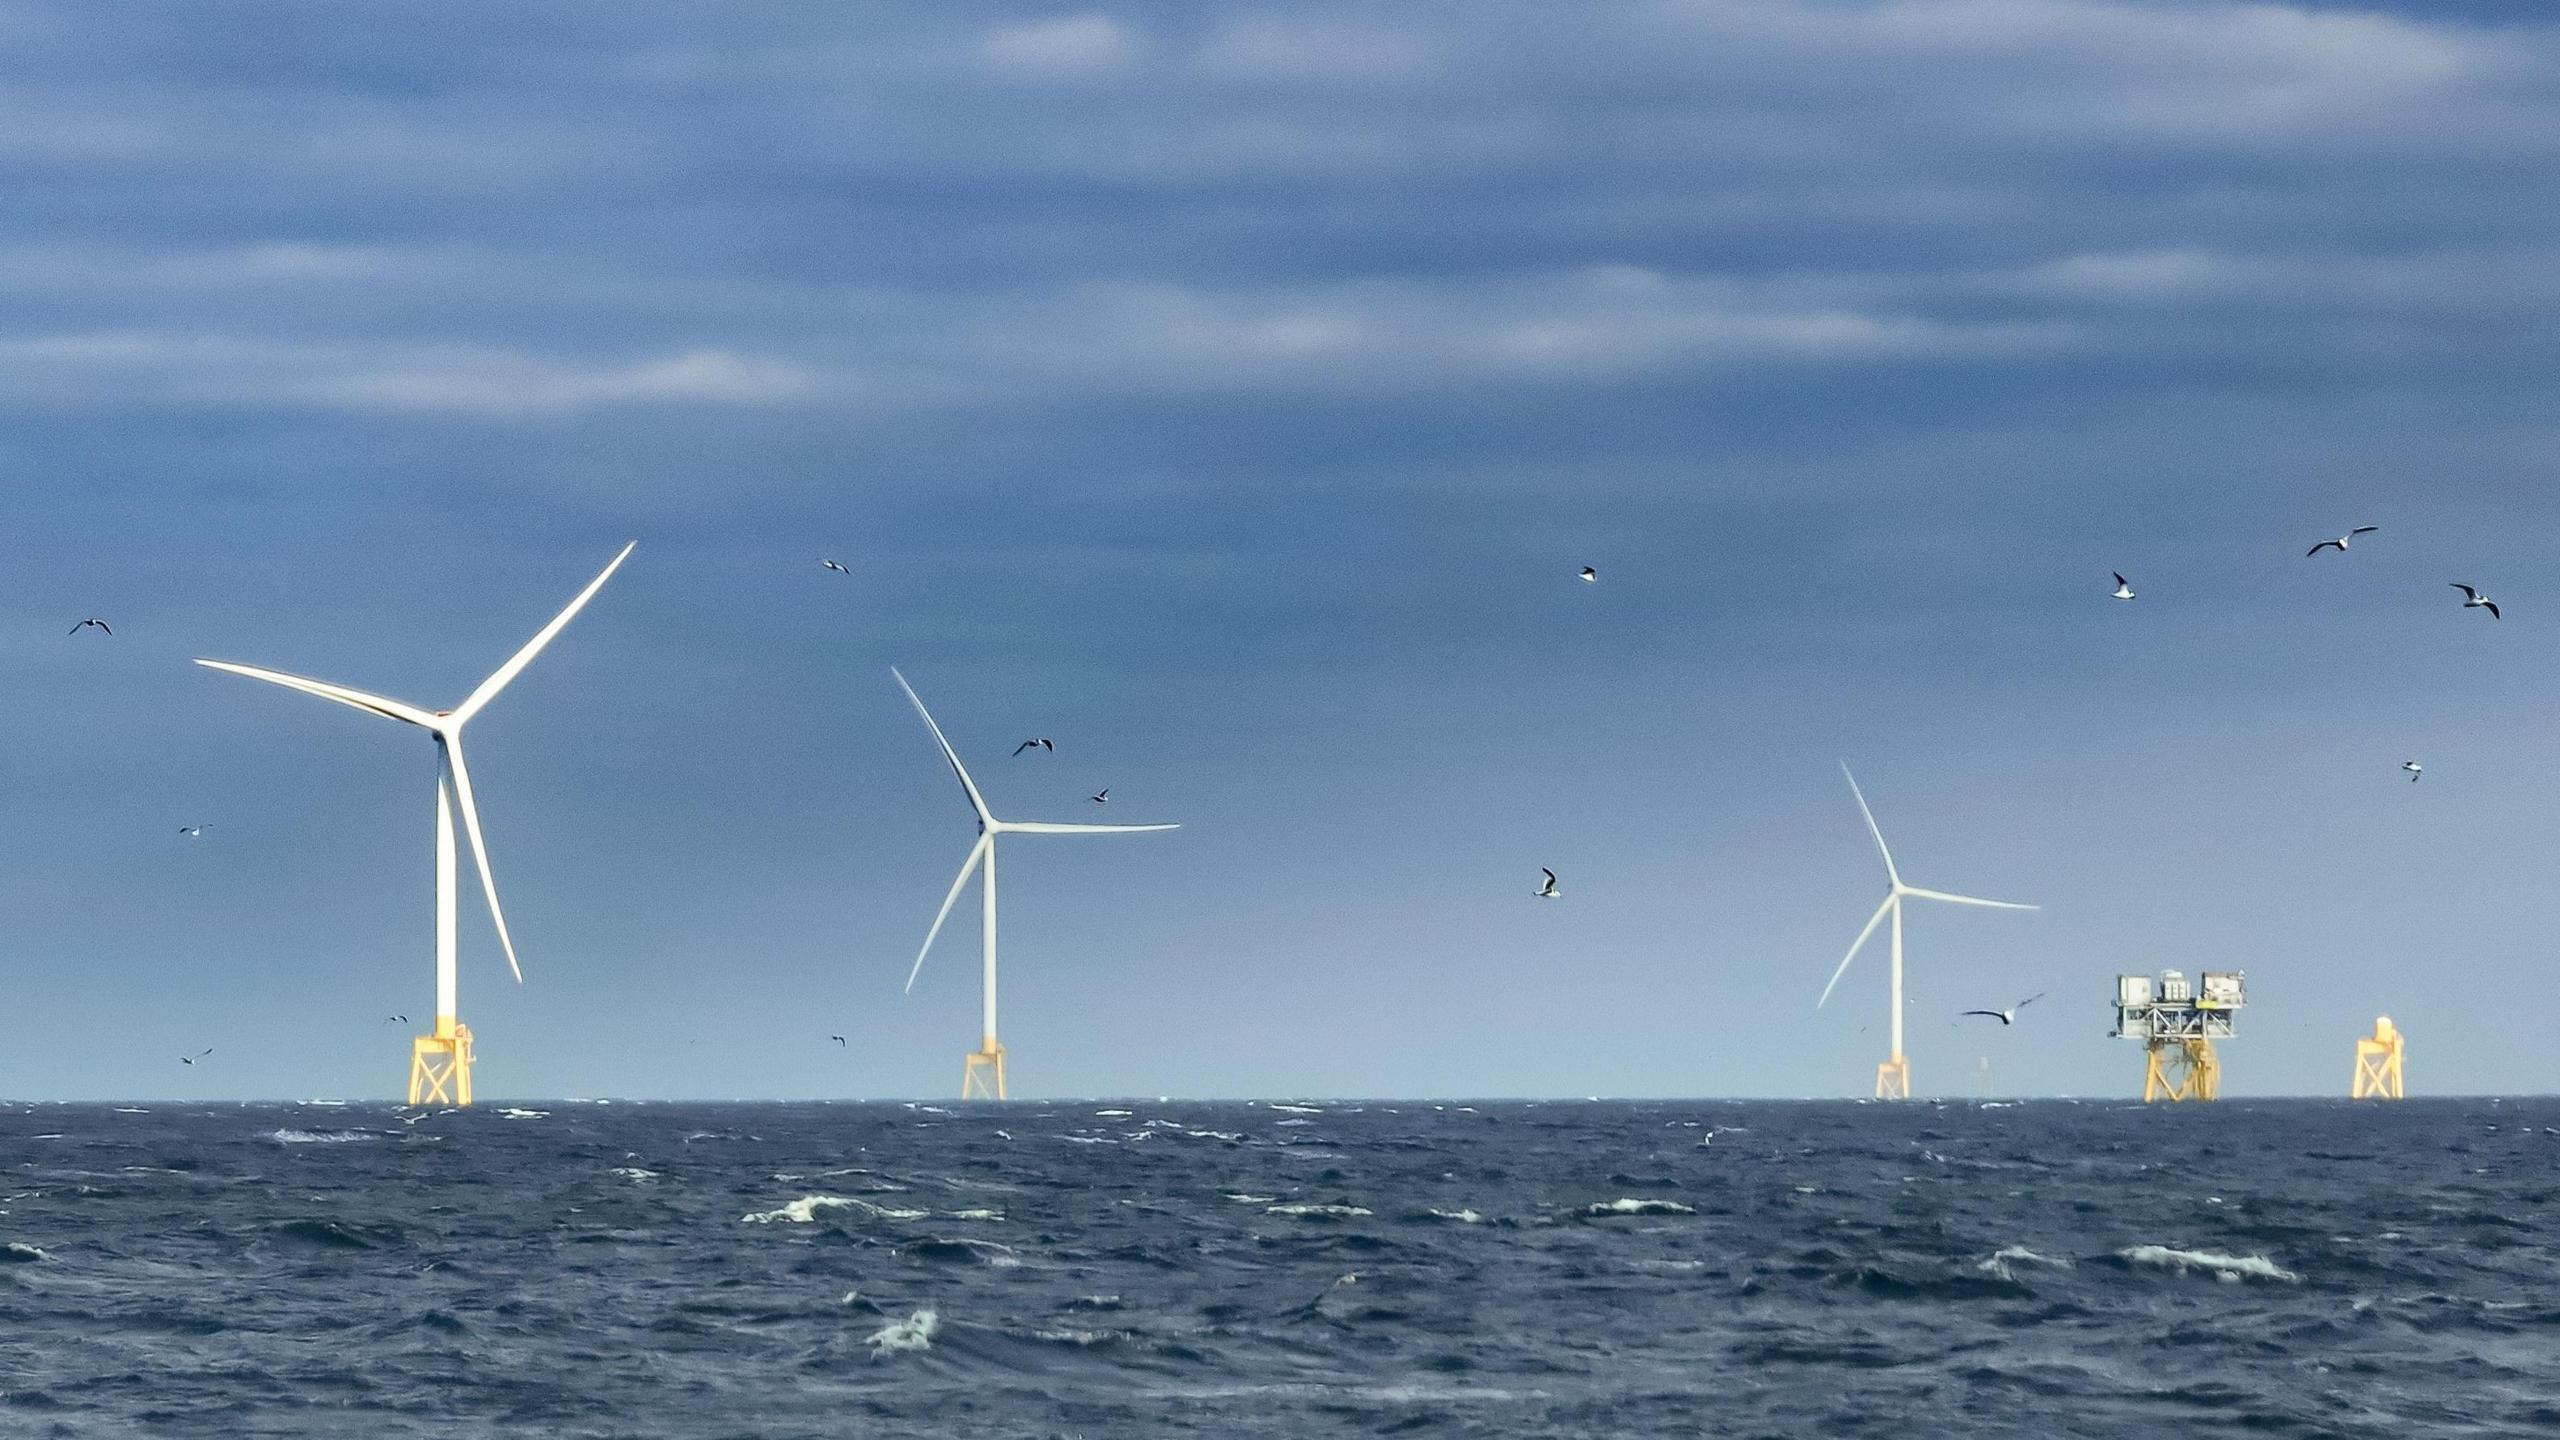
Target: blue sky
(1232, 394)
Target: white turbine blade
(977, 801)
(490, 687)
(479, 850)
(1036, 827)
(977, 853)
(370, 704)
(1890, 873)
(1964, 899)
(1855, 946)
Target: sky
(1232, 394)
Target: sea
(1155, 1268)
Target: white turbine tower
(983, 1074)
(440, 1063)
(1893, 1077)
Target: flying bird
(1039, 742)
(1590, 576)
(2474, 600)
(2340, 544)
(2010, 1015)
(395, 1019)
(192, 832)
(836, 565)
(837, 1038)
(191, 1059)
(85, 624)
(2415, 769)
(1549, 891)
(1102, 796)
(2124, 587)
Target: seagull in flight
(1102, 796)
(395, 1019)
(191, 1059)
(2474, 600)
(1590, 576)
(2415, 770)
(837, 1038)
(1035, 742)
(192, 832)
(85, 624)
(2124, 587)
(2340, 544)
(836, 565)
(2010, 1015)
(1549, 891)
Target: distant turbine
(1893, 1077)
(440, 1064)
(983, 1074)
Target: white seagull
(2010, 1015)
(2474, 600)
(2124, 587)
(2415, 770)
(85, 624)
(836, 565)
(1590, 576)
(1548, 891)
(2340, 544)
(1102, 796)
(1033, 744)
(192, 832)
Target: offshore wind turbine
(440, 1063)
(982, 1076)
(1893, 1077)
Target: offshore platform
(2177, 1025)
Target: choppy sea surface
(1134, 1269)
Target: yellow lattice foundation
(2181, 1070)
(1893, 1079)
(440, 1068)
(2378, 1062)
(983, 1077)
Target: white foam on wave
(131, 1110)
(1299, 1109)
(1295, 1122)
(321, 1137)
(512, 1113)
(1079, 1337)
(1334, 1212)
(22, 1253)
(1112, 1114)
(1242, 1198)
(977, 1214)
(913, 1333)
(635, 1174)
(1088, 1139)
(1462, 1217)
(1625, 1206)
(2000, 1261)
(804, 1211)
(2233, 1268)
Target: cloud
(1082, 45)
(125, 370)
(1315, 50)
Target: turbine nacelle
(1895, 892)
(453, 775)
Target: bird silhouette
(85, 624)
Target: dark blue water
(1102, 1269)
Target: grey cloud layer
(524, 216)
